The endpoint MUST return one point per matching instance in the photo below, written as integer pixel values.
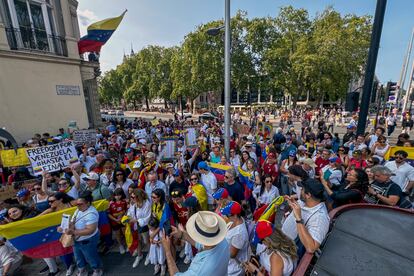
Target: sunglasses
(192, 179)
(175, 193)
(154, 197)
(51, 201)
(226, 176)
(37, 189)
(399, 157)
(341, 150)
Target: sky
(166, 22)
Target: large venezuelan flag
(98, 34)
(218, 170)
(38, 237)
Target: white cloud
(86, 17)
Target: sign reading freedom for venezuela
(52, 158)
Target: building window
(32, 27)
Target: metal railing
(26, 38)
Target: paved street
(114, 264)
(130, 115)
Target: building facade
(44, 82)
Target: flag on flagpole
(98, 34)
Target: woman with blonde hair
(277, 252)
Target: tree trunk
(135, 104)
(147, 103)
(165, 104)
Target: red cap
(264, 229)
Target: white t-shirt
(316, 221)
(124, 186)
(209, 182)
(238, 238)
(403, 174)
(84, 218)
(267, 196)
(90, 161)
(141, 215)
(73, 192)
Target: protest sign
(241, 129)
(140, 133)
(86, 136)
(52, 158)
(11, 159)
(155, 122)
(169, 147)
(191, 137)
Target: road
(130, 115)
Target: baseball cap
(91, 176)
(309, 162)
(22, 193)
(203, 166)
(314, 187)
(335, 160)
(264, 229)
(91, 148)
(221, 193)
(301, 147)
(232, 208)
(292, 153)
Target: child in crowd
(156, 252)
(117, 209)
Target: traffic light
(390, 91)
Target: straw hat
(206, 228)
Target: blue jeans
(86, 252)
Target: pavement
(131, 115)
(114, 263)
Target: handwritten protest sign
(11, 159)
(191, 137)
(169, 147)
(140, 133)
(86, 136)
(52, 158)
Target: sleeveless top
(41, 205)
(262, 252)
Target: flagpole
(404, 69)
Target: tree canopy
(291, 54)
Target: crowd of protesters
(214, 218)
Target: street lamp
(214, 32)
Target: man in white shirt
(403, 172)
(153, 184)
(374, 137)
(308, 223)
(391, 123)
(358, 144)
(209, 181)
(88, 158)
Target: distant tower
(125, 56)
(132, 50)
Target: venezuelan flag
(218, 170)
(267, 212)
(98, 34)
(38, 237)
(247, 181)
(131, 237)
(201, 195)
